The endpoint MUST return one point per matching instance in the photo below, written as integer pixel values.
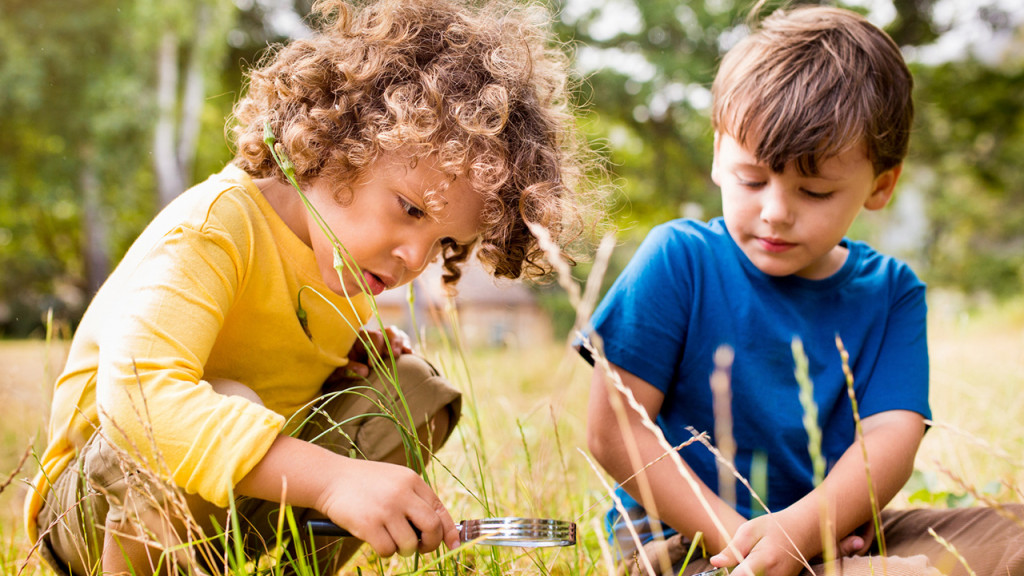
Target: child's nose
(775, 208)
(417, 253)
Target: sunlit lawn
(520, 449)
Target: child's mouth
(374, 283)
(774, 245)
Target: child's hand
(372, 345)
(766, 549)
(389, 507)
(858, 542)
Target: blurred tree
(968, 144)
(108, 101)
(648, 67)
(190, 51)
(71, 150)
(111, 108)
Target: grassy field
(520, 449)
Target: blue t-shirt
(689, 289)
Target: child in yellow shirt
(418, 130)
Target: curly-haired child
(418, 130)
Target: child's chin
(347, 289)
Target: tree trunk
(178, 121)
(96, 247)
(192, 99)
(170, 180)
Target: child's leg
(70, 539)
(161, 539)
(90, 522)
(153, 528)
(990, 541)
(370, 418)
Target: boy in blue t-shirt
(812, 116)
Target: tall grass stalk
(952, 550)
(721, 394)
(810, 420)
(617, 392)
(876, 512)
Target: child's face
(385, 223)
(790, 223)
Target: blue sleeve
(642, 320)
(900, 376)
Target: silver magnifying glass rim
(502, 531)
(523, 532)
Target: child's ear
(883, 187)
(714, 161)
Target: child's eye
(817, 195)
(410, 208)
(753, 185)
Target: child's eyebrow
(753, 164)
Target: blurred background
(110, 108)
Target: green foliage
(71, 97)
(968, 141)
(653, 114)
(77, 182)
(924, 488)
(78, 90)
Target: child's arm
(382, 504)
(891, 439)
(674, 501)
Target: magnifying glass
(507, 531)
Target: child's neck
(285, 201)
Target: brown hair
(482, 87)
(811, 82)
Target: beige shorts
(354, 417)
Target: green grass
(520, 449)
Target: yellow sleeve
(150, 394)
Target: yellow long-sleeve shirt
(209, 290)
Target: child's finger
(381, 542)
(400, 341)
(406, 538)
(360, 369)
(851, 545)
(374, 340)
(434, 522)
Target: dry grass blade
(625, 393)
(952, 550)
(875, 509)
(622, 510)
(728, 464)
(18, 467)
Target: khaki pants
(990, 541)
(355, 417)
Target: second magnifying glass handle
(324, 527)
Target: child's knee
(226, 387)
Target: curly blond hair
(482, 87)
